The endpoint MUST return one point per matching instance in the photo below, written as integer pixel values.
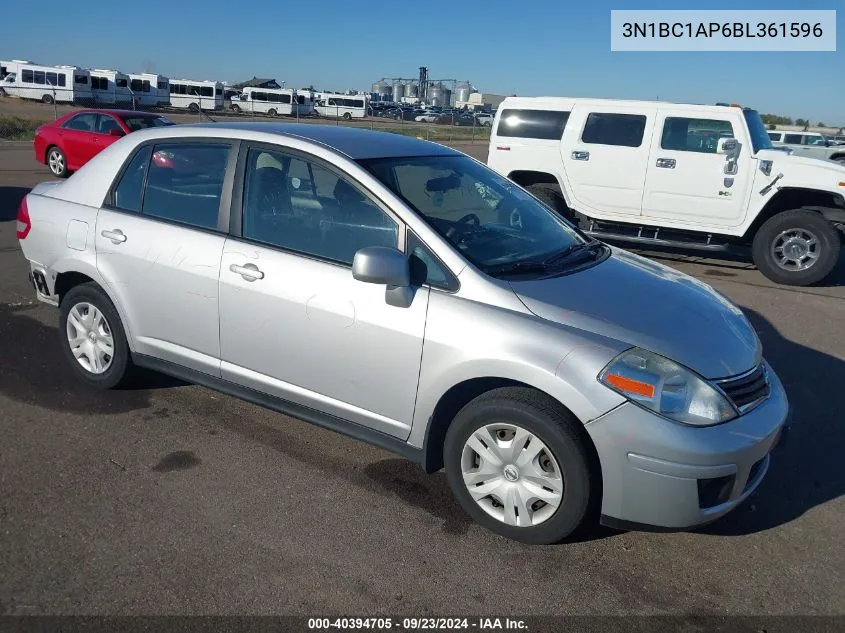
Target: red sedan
(67, 143)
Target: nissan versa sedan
(404, 294)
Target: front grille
(746, 389)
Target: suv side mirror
(387, 266)
(727, 146)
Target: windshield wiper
(518, 268)
(567, 252)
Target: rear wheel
(236, 107)
(271, 112)
(549, 195)
(92, 337)
(57, 162)
(840, 160)
(194, 107)
(796, 248)
(48, 99)
(518, 464)
(347, 116)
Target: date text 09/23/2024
(417, 624)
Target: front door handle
(249, 272)
(116, 235)
(666, 163)
(580, 155)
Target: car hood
(834, 168)
(645, 304)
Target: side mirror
(727, 146)
(381, 265)
(116, 132)
(388, 266)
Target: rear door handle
(116, 235)
(580, 155)
(249, 272)
(666, 163)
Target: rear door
(605, 154)
(77, 139)
(159, 241)
(687, 180)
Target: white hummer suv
(670, 175)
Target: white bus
(110, 87)
(272, 101)
(150, 89)
(193, 95)
(345, 106)
(60, 84)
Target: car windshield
(135, 123)
(494, 223)
(759, 137)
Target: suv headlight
(666, 388)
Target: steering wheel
(469, 218)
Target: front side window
(792, 139)
(299, 205)
(121, 83)
(491, 221)
(185, 182)
(624, 130)
(85, 122)
(694, 135)
(539, 124)
(136, 85)
(80, 79)
(426, 268)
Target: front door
(686, 179)
(77, 139)
(605, 152)
(159, 248)
(293, 321)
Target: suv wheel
(796, 248)
(92, 337)
(518, 465)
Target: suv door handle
(115, 235)
(580, 155)
(249, 272)
(666, 163)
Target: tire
(116, 369)
(236, 107)
(797, 227)
(550, 195)
(271, 112)
(840, 160)
(48, 99)
(193, 107)
(562, 449)
(347, 116)
(487, 124)
(57, 162)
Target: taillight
(24, 223)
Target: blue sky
(501, 46)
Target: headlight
(666, 388)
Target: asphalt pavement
(173, 499)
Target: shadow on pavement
(10, 198)
(34, 371)
(807, 471)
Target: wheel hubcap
(57, 163)
(512, 475)
(90, 338)
(795, 249)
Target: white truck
(655, 174)
(810, 144)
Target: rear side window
(694, 135)
(624, 130)
(129, 191)
(540, 124)
(794, 139)
(185, 182)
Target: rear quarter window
(539, 124)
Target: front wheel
(194, 107)
(519, 465)
(271, 112)
(840, 160)
(796, 248)
(347, 116)
(236, 107)
(48, 99)
(92, 337)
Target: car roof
(120, 113)
(355, 143)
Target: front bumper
(661, 474)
